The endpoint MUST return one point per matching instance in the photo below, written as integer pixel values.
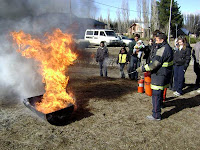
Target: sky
(186, 6)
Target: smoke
(18, 75)
(14, 9)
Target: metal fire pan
(59, 117)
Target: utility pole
(170, 21)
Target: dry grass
(111, 115)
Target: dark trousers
(103, 68)
(122, 65)
(179, 78)
(133, 65)
(197, 72)
(157, 102)
(171, 83)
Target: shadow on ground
(189, 88)
(181, 104)
(100, 88)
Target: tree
(108, 21)
(139, 9)
(164, 13)
(145, 15)
(192, 23)
(119, 25)
(125, 14)
(154, 16)
(100, 19)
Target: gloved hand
(139, 69)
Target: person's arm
(97, 55)
(188, 58)
(106, 51)
(156, 62)
(127, 59)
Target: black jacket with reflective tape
(160, 66)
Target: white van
(95, 36)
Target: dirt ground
(111, 115)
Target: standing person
(122, 60)
(153, 47)
(161, 70)
(147, 51)
(196, 57)
(133, 59)
(181, 62)
(171, 84)
(102, 57)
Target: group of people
(167, 65)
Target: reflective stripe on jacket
(122, 58)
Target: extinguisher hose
(132, 72)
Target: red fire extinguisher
(147, 83)
(141, 86)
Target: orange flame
(54, 55)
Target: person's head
(155, 33)
(160, 38)
(150, 41)
(102, 44)
(182, 42)
(123, 50)
(137, 37)
(139, 42)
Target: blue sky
(187, 6)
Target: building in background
(137, 28)
(66, 22)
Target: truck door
(90, 36)
(102, 36)
(96, 37)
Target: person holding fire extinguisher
(161, 70)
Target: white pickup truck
(95, 36)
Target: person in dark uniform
(161, 70)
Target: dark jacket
(102, 53)
(147, 51)
(160, 66)
(152, 51)
(182, 57)
(131, 47)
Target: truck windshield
(110, 33)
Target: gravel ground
(111, 115)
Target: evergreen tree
(164, 13)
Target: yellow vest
(122, 58)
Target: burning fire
(54, 55)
